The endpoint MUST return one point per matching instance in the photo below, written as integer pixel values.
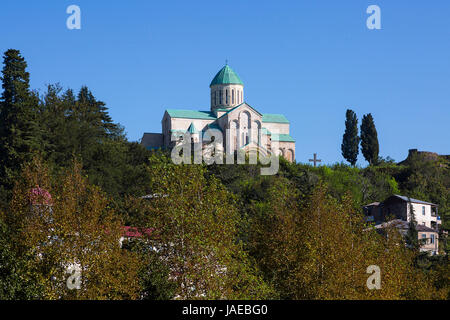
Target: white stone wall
(287, 150)
(276, 127)
(243, 124)
(232, 95)
(183, 123)
(421, 218)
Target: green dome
(226, 75)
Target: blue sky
(310, 60)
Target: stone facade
(242, 127)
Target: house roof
(191, 114)
(275, 118)
(401, 224)
(154, 195)
(134, 232)
(407, 199)
(226, 75)
(372, 204)
(40, 196)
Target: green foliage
(369, 139)
(17, 282)
(223, 230)
(350, 140)
(73, 225)
(153, 273)
(19, 130)
(197, 226)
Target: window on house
(432, 238)
(424, 237)
(423, 210)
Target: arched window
(232, 97)
(226, 97)
(220, 97)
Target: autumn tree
(62, 222)
(195, 222)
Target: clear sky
(310, 60)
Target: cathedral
(242, 126)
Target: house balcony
(434, 212)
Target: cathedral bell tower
(227, 89)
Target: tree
(350, 140)
(154, 274)
(369, 139)
(17, 282)
(412, 236)
(62, 221)
(19, 129)
(195, 222)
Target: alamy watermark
(209, 148)
(74, 20)
(374, 20)
(74, 280)
(374, 281)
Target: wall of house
(429, 246)
(423, 219)
(396, 208)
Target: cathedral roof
(192, 129)
(276, 118)
(226, 75)
(191, 114)
(282, 137)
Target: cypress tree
(350, 140)
(19, 130)
(369, 139)
(412, 236)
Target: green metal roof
(192, 129)
(214, 126)
(265, 131)
(226, 75)
(282, 137)
(191, 114)
(278, 118)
